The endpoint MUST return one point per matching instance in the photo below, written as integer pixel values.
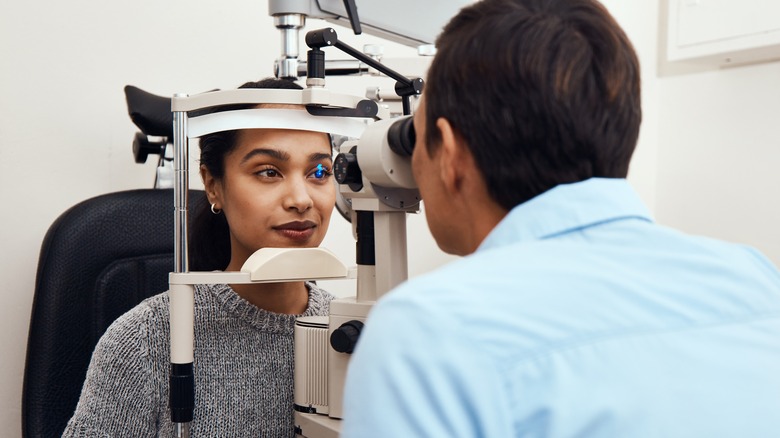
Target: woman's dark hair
(544, 92)
(209, 246)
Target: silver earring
(215, 210)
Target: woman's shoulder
(154, 310)
(135, 340)
(149, 314)
(153, 307)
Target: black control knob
(321, 37)
(142, 147)
(344, 338)
(346, 171)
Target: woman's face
(277, 191)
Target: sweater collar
(262, 319)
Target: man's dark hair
(544, 92)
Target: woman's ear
(209, 184)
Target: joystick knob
(344, 338)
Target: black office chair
(98, 260)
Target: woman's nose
(298, 197)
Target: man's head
(542, 93)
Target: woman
(265, 188)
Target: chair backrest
(98, 260)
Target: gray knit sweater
(243, 370)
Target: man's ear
(455, 157)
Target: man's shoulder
(491, 271)
(584, 289)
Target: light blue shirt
(576, 317)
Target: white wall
(706, 160)
(719, 155)
(719, 140)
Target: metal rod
(180, 188)
(337, 67)
(182, 430)
(289, 25)
(182, 385)
(372, 62)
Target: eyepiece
(401, 136)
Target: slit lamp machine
(375, 184)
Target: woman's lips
(298, 231)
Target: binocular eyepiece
(401, 136)
(381, 156)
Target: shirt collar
(566, 208)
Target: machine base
(316, 426)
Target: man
(572, 313)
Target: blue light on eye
(320, 172)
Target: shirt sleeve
(118, 398)
(415, 373)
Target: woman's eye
(321, 172)
(268, 173)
